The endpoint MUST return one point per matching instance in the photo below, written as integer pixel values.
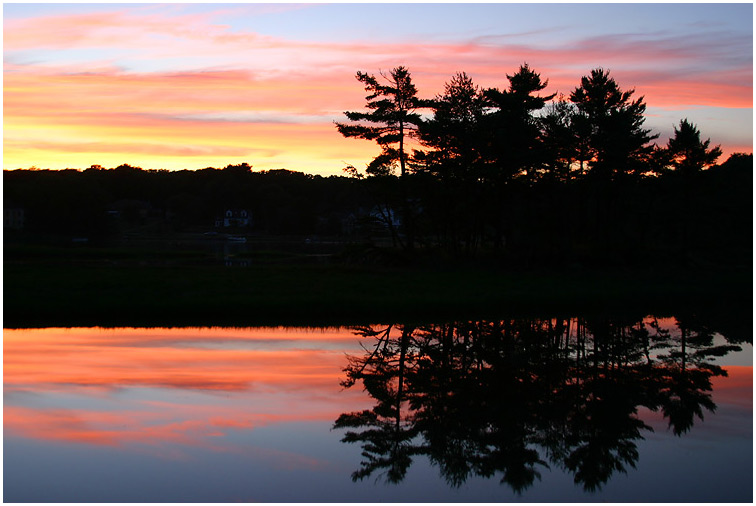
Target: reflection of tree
(467, 429)
(387, 437)
(686, 371)
(503, 398)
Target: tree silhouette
(559, 140)
(393, 114)
(682, 162)
(610, 123)
(453, 133)
(514, 145)
(455, 160)
(387, 441)
(511, 177)
(392, 120)
(686, 154)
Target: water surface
(512, 410)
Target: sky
(189, 86)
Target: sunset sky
(188, 86)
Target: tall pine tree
(686, 153)
(391, 120)
(610, 124)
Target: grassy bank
(88, 294)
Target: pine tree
(454, 131)
(514, 129)
(391, 121)
(686, 153)
(610, 124)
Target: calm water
(515, 410)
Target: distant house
(235, 218)
(13, 218)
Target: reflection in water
(241, 415)
(510, 398)
(154, 387)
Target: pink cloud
(102, 29)
(270, 58)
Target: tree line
(543, 178)
(64, 203)
(500, 135)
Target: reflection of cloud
(173, 359)
(736, 389)
(217, 421)
(279, 459)
(203, 369)
(107, 428)
(150, 432)
(118, 428)
(204, 385)
(56, 424)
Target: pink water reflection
(119, 387)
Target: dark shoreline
(65, 294)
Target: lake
(540, 409)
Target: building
(235, 218)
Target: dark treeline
(103, 203)
(511, 398)
(545, 179)
(510, 174)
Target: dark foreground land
(128, 247)
(100, 288)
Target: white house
(234, 218)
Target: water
(539, 410)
